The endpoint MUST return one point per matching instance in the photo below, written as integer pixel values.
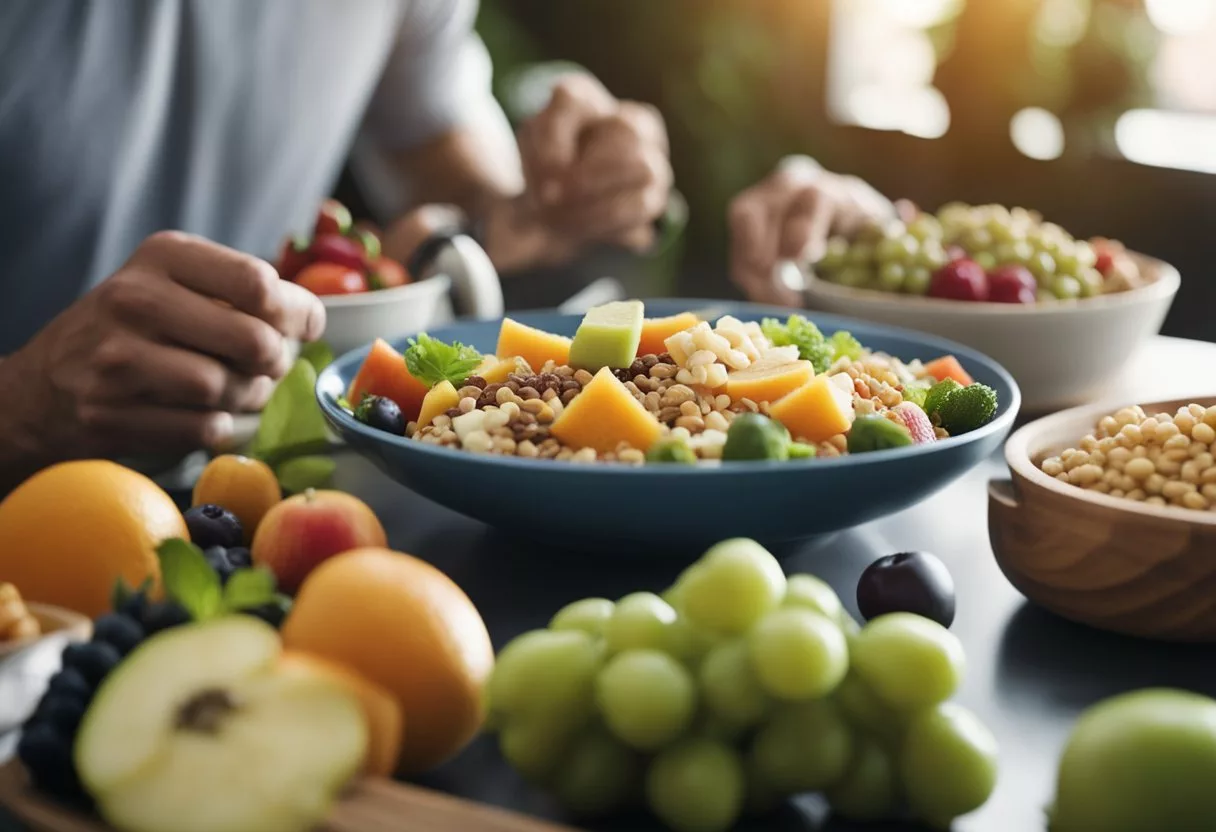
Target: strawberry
(334, 248)
(293, 257)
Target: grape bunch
(734, 689)
(978, 253)
(47, 738)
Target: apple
(1138, 761)
(199, 731)
(301, 532)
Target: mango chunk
(384, 374)
(769, 379)
(532, 345)
(443, 396)
(816, 411)
(497, 372)
(608, 336)
(657, 330)
(605, 414)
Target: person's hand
(158, 356)
(596, 169)
(788, 217)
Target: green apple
(196, 731)
(1141, 760)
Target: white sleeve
(437, 77)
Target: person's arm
(601, 164)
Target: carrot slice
(948, 367)
(384, 374)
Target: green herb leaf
(305, 472)
(431, 361)
(291, 416)
(249, 588)
(189, 579)
(345, 404)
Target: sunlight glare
(1182, 141)
(1037, 133)
(1180, 17)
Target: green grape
(855, 276)
(647, 698)
(804, 747)
(1091, 281)
(535, 747)
(687, 643)
(861, 254)
(891, 277)
(639, 620)
(909, 661)
(1006, 253)
(1085, 254)
(810, 593)
(985, 259)
(869, 789)
(925, 227)
(948, 763)
(729, 685)
(932, 255)
(798, 654)
(835, 254)
(918, 280)
(732, 586)
(977, 239)
(598, 775)
(588, 615)
(1043, 267)
(866, 712)
(697, 786)
(1065, 287)
(547, 674)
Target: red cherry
(960, 280)
(1105, 262)
(332, 218)
(1012, 284)
(334, 248)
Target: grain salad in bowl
(661, 391)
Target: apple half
(198, 731)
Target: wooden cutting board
(372, 805)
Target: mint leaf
(431, 361)
(189, 579)
(305, 472)
(248, 588)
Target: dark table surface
(1029, 674)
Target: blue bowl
(678, 508)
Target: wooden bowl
(1111, 563)
(54, 621)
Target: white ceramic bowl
(1061, 354)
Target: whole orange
(70, 530)
(406, 626)
(385, 727)
(246, 487)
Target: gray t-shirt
(227, 118)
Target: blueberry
(133, 607)
(63, 712)
(217, 559)
(381, 414)
(212, 525)
(163, 615)
(121, 632)
(915, 582)
(94, 660)
(72, 683)
(45, 751)
(240, 558)
(273, 613)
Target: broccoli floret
(876, 433)
(755, 437)
(938, 394)
(967, 409)
(844, 345)
(801, 333)
(671, 451)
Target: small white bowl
(1061, 354)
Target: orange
(246, 487)
(385, 727)
(70, 530)
(406, 626)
